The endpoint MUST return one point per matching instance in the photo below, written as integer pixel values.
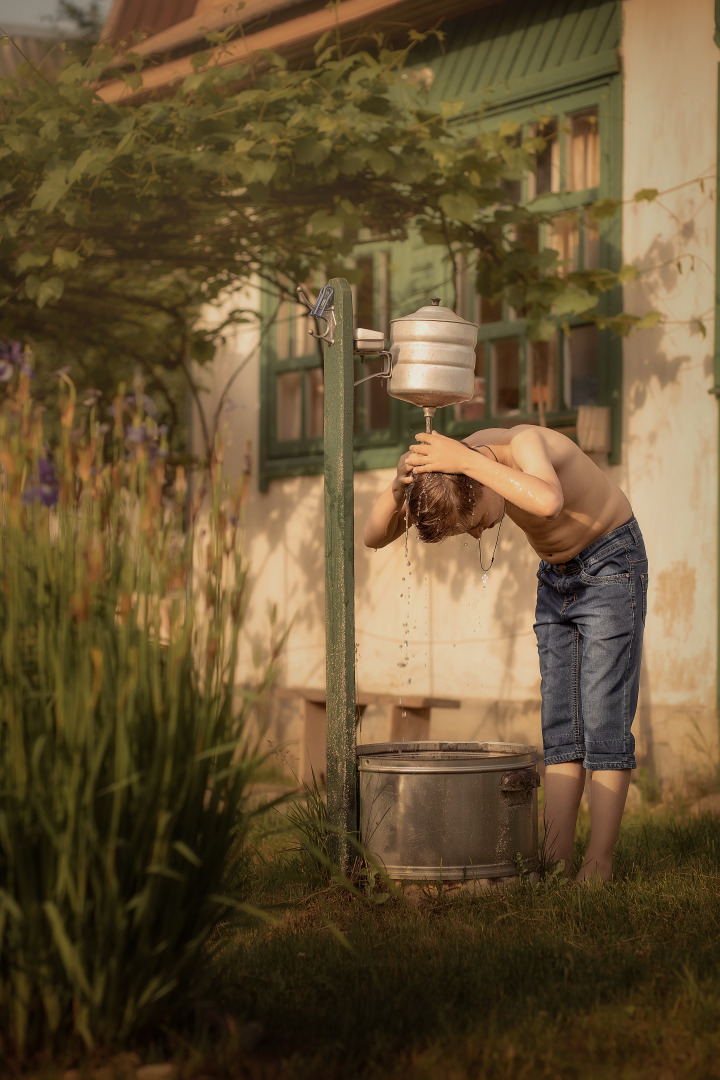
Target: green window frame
(582, 364)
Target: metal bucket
(449, 811)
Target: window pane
(377, 402)
(363, 294)
(372, 404)
(289, 400)
(581, 367)
(512, 190)
(543, 377)
(489, 311)
(591, 243)
(302, 324)
(474, 308)
(583, 158)
(505, 359)
(474, 409)
(529, 236)
(314, 403)
(563, 237)
(283, 330)
(547, 162)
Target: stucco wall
(425, 621)
(670, 449)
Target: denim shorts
(589, 624)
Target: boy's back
(592, 505)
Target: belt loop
(634, 530)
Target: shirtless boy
(591, 600)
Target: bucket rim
(398, 756)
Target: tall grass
(124, 752)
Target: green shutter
(521, 49)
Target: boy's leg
(563, 789)
(558, 651)
(610, 613)
(609, 788)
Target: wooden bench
(409, 721)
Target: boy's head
(443, 505)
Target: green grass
(537, 980)
(549, 980)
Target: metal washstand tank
(449, 811)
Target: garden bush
(125, 752)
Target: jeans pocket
(614, 569)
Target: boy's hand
(436, 453)
(404, 476)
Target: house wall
(426, 621)
(670, 447)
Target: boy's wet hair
(441, 504)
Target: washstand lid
(434, 312)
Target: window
(519, 381)
(516, 380)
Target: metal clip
(318, 309)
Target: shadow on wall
(287, 560)
(666, 270)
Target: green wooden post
(340, 579)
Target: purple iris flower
(12, 359)
(46, 472)
(46, 491)
(148, 404)
(137, 435)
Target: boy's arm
(386, 520)
(532, 485)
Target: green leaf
(508, 129)
(574, 302)
(324, 222)
(52, 189)
(44, 291)
(541, 329)
(200, 60)
(647, 322)
(605, 208)
(312, 151)
(187, 853)
(261, 171)
(64, 259)
(461, 207)
(30, 259)
(646, 194)
(448, 109)
(66, 950)
(381, 162)
(627, 273)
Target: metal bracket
(318, 309)
(386, 372)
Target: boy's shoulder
(521, 433)
(553, 441)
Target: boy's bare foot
(594, 871)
